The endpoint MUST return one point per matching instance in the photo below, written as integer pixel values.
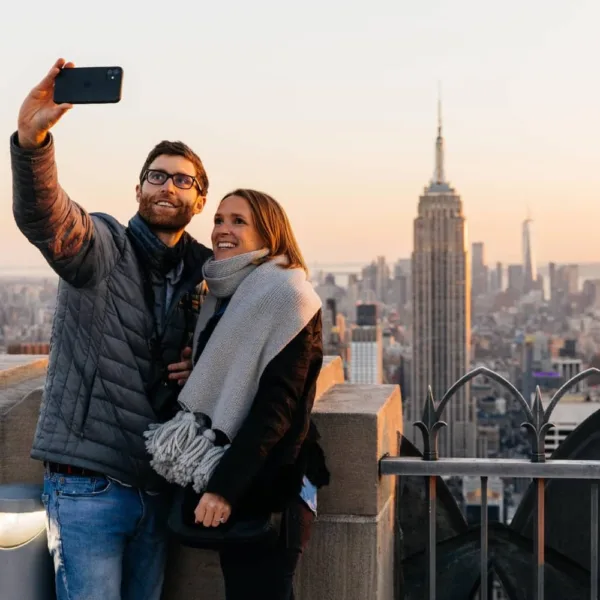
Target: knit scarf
(269, 307)
(160, 257)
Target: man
(126, 308)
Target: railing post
(539, 543)
(429, 427)
(483, 593)
(594, 541)
(431, 537)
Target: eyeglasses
(180, 180)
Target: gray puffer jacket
(106, 376)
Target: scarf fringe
(206, 467)
(183, 450)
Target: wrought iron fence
(537, 423)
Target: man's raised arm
(63, 231)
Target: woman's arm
(283, 395)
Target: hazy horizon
(331, 108)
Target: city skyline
(329, 109)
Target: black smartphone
(88, 85)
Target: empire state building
(441, 311)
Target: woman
(244, 441)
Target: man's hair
(177, 149)
(273, 226)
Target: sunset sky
(330, 106)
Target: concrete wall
(350, 556)
(20, 396)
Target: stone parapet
(350, 556)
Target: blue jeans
(108, 541)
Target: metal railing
(537, 424)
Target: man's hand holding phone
(63, 87)
(39, 113)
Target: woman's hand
(212, 510)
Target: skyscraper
(516, 278)
(497, 279)
(479, 270)
(366, 347)
(441, 310)
(529, 267)
(553, 281)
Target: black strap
(209, 328)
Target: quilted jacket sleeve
(81, 249)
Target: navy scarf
(160, 258)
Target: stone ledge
(332, 373)
(349, 558)
(17, 369)
(17, 428)
(358, 424)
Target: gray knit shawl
(269, 307)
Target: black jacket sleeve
(80, 249)
(282, 407)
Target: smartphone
(88, 85)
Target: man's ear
(199, 206)
(138, 192)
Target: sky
(330, 106)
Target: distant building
(400, 290)
(564, 283)
(441, 308)
(497, 279)
(488, 441)
(567, 368)
(28, 348)
(329, 290)
(334, 332)
(472, 496)
(366, 347)
(479, 270)
(516, 279)
(536, 365)
(553, 281)
(529, 266)
(572, 410)
(591, 293)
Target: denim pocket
(76, 486)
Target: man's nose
(168, 185)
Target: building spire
(438, 175)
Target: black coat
(277, 444)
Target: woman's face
(234, 231)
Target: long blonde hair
(273, 225)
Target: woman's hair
(273, 226)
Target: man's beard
(177, 219)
